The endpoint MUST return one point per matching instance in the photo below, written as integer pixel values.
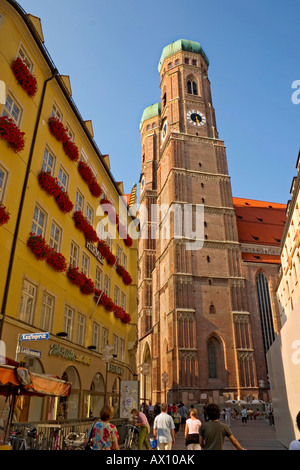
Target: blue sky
(111, 50)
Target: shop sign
(69, 354)
(115, 369)
(89, 245)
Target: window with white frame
(89, 214)
(85, 264)
(119, 254)
(81, 329)
(83, 156)
(104, 338)
(56, 112)
(62, 178)
(70, 132)
(79, 201)
(122, 350)
(117, 296)
(95, 335)
(109, 240)
(27, 302)
(47, 312)
(12, 109)
(123, 301)
(100, 231)
(124, 260)
(48, 161)
(39, 221)
(55, 236)
(3, 182)
(115, 345)
(93, 169)
(98, 278)
(22, 54)
(68, 321)
(74, 254)
(106, 285)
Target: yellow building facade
(59, 201)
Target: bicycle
(74, 441)
(132, 438)
(17, 442)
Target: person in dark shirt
(213, 432)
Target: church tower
(193, 320)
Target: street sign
(31, 352)
(35, 336)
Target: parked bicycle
(132, 437)
(74, 441)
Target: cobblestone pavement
(255, 435)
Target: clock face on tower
(164, 130)
(196, 118)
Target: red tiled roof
(260, 258)
(259, 222)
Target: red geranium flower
(25, 78)
(10, 132)
(38, 246)
(57, 261)
(51, 186)
(75, 276)
(82, 224)
(4, 215)
(71, 150)
(88, 176)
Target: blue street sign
(31, 352)
(35, 336)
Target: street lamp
(145, 371)
(107, 356)
(165, 378)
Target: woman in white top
(191, 432)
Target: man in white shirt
(163, 429)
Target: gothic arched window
(265, 310)
(212, 359)
(192, 87)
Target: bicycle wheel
(128, 442)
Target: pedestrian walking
(103, 435)
(142, 422)
(213, 431)
(183, 415)
(176, 418)
(295, 445)
(227, 415)
(191, 432)
(163, 429)
(244, 416)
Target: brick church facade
(206, 316)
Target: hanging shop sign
(92, 249)
(69, 354)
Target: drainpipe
(16, 233)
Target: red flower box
(75, 276)
(124, 274)
(104, 299)
(57, 129)
(109, 305)
(4, 215)
(57, 261)
(88, 176)
(82, 224)
(104, 249)
(120, 313)
(10, 132)
(38, 246)
(88, 286)
(110, 211)
(51, 186)
(25, 78)
(71, 150)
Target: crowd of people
(168, 420)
